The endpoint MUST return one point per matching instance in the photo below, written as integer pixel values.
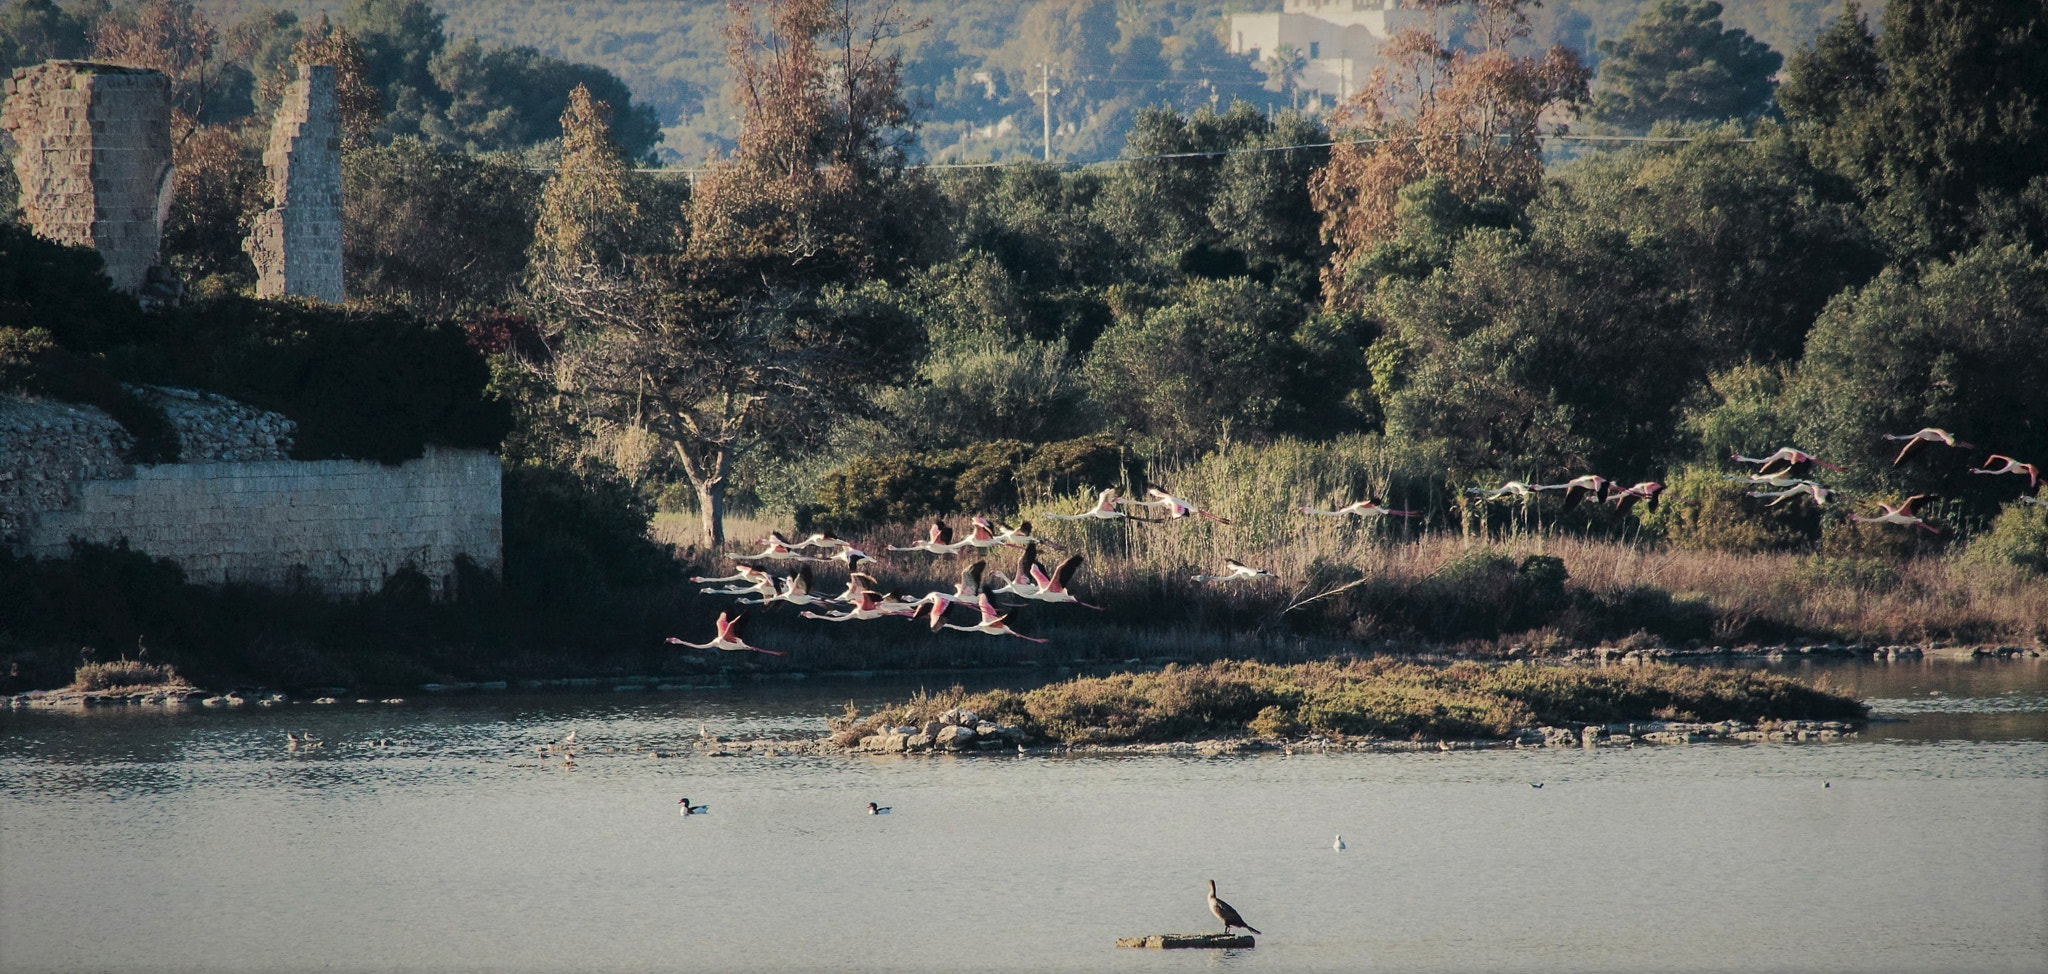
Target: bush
(987, 477)
(2017, 539)
(123, 673)
(1702, 509)
(366, 385)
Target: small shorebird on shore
(1224, 912)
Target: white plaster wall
(340, 526)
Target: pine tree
(587, 212)
(1676, 63)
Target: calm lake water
(139, 840)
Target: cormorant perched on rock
(1225, 912)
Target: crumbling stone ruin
(93, 153)
(297, 243)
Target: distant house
(1340, 38)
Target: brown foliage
(361, 106)
(171, 36)
(825, 126)
(1470, 116)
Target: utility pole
(1046, 90)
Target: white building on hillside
(1340, 38)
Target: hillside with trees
(818, 332)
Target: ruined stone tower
(93, 153)
(297, 243)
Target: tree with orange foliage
(822, 151)
(1470, 116)
(171, 36)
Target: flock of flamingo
(1784, 474)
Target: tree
(1470, 116)
(33, 31)
(438, 233)
(587, 213)
(400, 39)
(817, 185)
(1286, 65)
(1676, 63)
(1217, 361)
(759, 332)
(1959, 348)
(1946, 135)
(171, 36)
(511, 97)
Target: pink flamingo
(983, 534)
(866, 605)
(1516, 488)
(967, 589)
(1915, 442)
(1578, 489)
(1176, 507)
(1648, 491)
(1369, 507)
(1104, 509)
(795, 590)
(1814, 492)
(1022, 583)
(1020, 536)
(1795, 461)
(1233, 570)
(939, 541)
(2010, 465)
(730, 637)
(991, 623)
(1906, 512)
(1054, 587)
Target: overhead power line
(1213, 153)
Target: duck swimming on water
(689, 809)
(874, 809)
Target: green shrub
(987, 477)
(2017, 539)
(1824, 571)
(1702, 509)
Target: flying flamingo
(1104, 509)
(1578, 489)
(2033, 499)
(1768, 481)
(1916, 441)
(1369, 507)
(983, 534)
(1816, 493)
(1906, 512)
(776, 548)
(1648, 491)
(1020, 536)
(729, 638)
(763, 584)
(967, 589)
(1022, 583)
(865, 606)
(991, 622)
(741, 573)
(1519, 489)
(795, 590)
(1795, 461)
(1176, 507)
(2011, 466)
(1054, 588)
(938, 542)
(1234, 570)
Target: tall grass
(123, 673)
(1452, 576)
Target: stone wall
(234, 509)
(93, 153)
(338, 526)
(297, 243)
